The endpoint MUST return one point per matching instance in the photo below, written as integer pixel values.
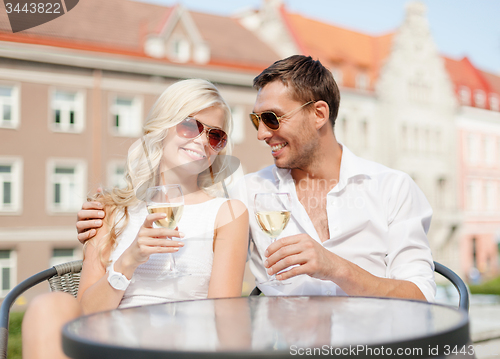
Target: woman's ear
(322, 113)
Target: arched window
(494, 102)
(479, 98)
(464, 95)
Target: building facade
(75, 91)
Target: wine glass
(272, 211)
(167, 199)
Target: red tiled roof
(493, 81)
(351, 51)
(121, 27)
(464, 73)
(231, 42)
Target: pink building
(478, 124)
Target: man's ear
(322, 112)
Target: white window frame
(404, 137)
(473, 148)
(364, 127)
(132, 120)
(78, 107)
(494, 102)
(489, 195)
(473, 195)
(338, 76)
(114, 179)
(362, 81)
(464, 95)
(71, 202)
(77, 254)
(489, 150)
(14, 102)
(238, 131)
(179, 49)
(16, 180)
(480, 98)
(11, 263)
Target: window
(489, 196)
(116, 173)
(344, 130)
(464, 94)
(473, 148)
(67, 111)
(9, 106)
(404, 137)
(473, 195)
(494, 102)
(419, 88)
(362, 81)
(441, 192)
(126, 116)
(180, 49)
(66, 182)
(427, 140)
(63, 255)
(337, 76)
(479, 98)
(489, 150)
(438, 145)
(365, 135)
(10, 184)
(238, 132)
(8, 271)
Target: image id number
(34, 8)
(456, 350)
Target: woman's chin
(194, 167)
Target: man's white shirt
(378, 219)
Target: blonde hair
(178, 101)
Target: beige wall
(35, 142)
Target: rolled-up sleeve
(409, 255)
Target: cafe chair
(62, 278)
(446, 272)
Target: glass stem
(272, 278)
(172, 263)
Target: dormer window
(494, 102)
(362, 81)
(180, 50)
(479, 98)
(464, 94)
(337, 76)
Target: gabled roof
(231, 42)
(353, 51)
(116, 24)
(464, 73)
(493, 81)
(122, 27)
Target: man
(357, 227)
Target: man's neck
(324, 167)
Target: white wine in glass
(272, 212)
(172, 210)
(167, 199)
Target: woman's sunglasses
(270, 119)
(192, 128)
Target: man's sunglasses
(192, 128)
(270, 119)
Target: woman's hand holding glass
(149, 240)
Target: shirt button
(328, 293)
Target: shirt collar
(350, 166)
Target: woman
(183, 136)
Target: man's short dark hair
(307, 79)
